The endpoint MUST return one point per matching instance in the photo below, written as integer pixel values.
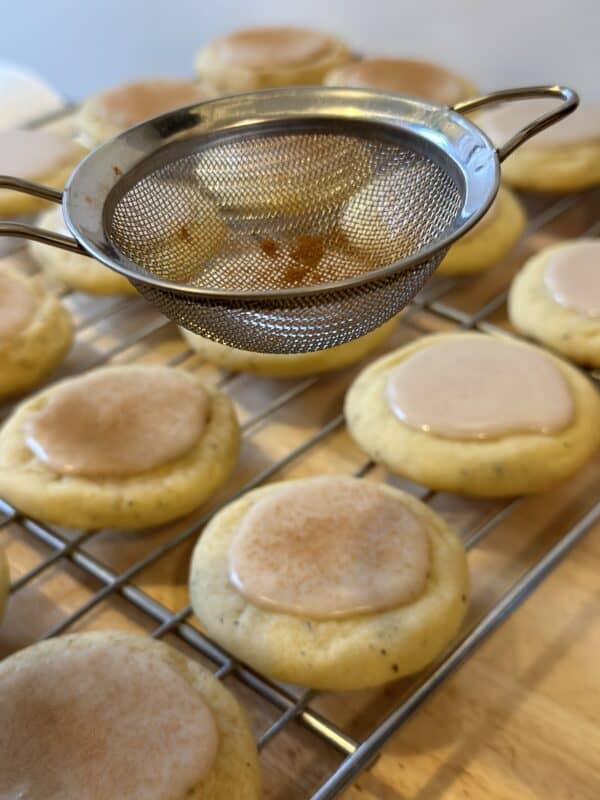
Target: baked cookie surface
(260, 58)
(80, 273)
(290, 366)
(37, 156)
(563, 158)
(490, 240)
(536, 312)
(504, 463)
(404, 76)
(118, 695)
(109, 112)
(358, 647)
(36, 331)
(118, 447)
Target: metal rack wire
(289, 705)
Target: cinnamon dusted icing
(126, 105)
(405, 76)
(328, 548)
(33, 154)
(17, 306)
(583, 125)
(572, 277)
(478, 387)
(118, 422)
(99, 721)
(267, 47)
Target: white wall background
(83, 45)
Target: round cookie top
(328, 548)
(32, 155)
(572, 276)
(102, 717)
(479, 387)
(118, 421)
(583, 125)
(17, 306)
(405, 76)
(256, 48)
(130, 103)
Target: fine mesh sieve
(288, 220)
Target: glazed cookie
(36, 156)
(127, 447)
(490, 240)
(108, 113)
(405, 76)
(330, 582)
(95, 710)
(77, 272)
(290, 366)
(4, 581)
(475, 414)
(555, 298)
(563, 158)
(35, 331)
(260, 58)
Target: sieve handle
(24, 231)
(568, 96)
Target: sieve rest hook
(568, 96)
(24, 231)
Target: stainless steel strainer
(286, 220)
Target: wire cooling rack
(289, 428)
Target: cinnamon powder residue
(308, 251)
(269, 247)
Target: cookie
(405, 76)
(490, 240)
(93, 711)
(126, 446)
(113, 110)
(563, 158)
(4, 581)
(475, 414)
(80, 273)
(36, 331)
(36, 156)
(260, 58)
(555, 298)
(290, 366)
(330, 582)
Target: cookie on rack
(126, 446)
(475, 414)
(490, 240)
(120, 697)
(555, 298)
(260, 58)
(405, 76)
(77, 272)
(4, 581)
(563, 158)
(111, 111)
(37, 156)
(296, 365)
(330, 582)
(36, 331)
